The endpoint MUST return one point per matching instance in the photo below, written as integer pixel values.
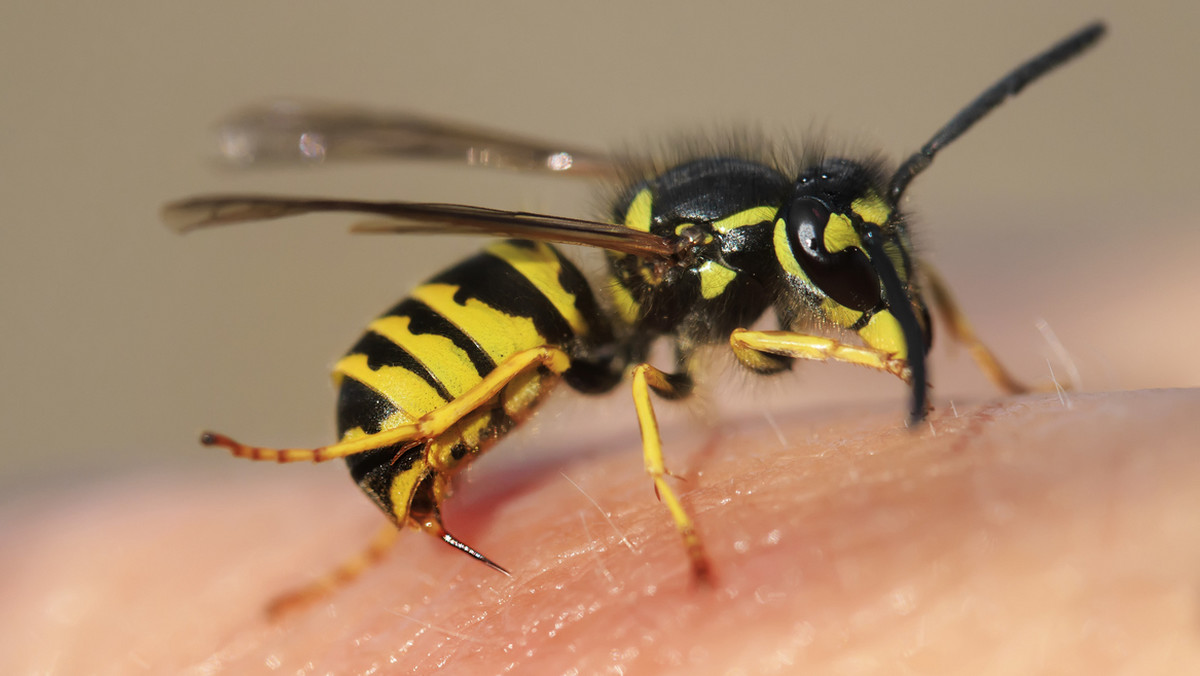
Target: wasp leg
(757, 349)
(337, 578)
(429, 426)
(961, 331)
(670, 386)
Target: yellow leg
(337, 578)
(749, 345)
(961, 331)
(429, 426)
(646, 378)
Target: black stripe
(573, 281)
(381, 352)
(360, 406)
(497, 284)
(375, 471)
(424, 321)
(862, 321)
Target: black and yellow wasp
(696, 251)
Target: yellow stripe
(883, 333)
(871, 209)
(438, 354)
(406, 390)
(389, 423)
(499, 335)
(638, 215)
(785, 255)
(542, 268)
(627, 308)
(839, 314)
(840, 234)
(403, 484)
(404, 487)
(751, 216)
(714, 277)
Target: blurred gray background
(121, 340)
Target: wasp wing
(293, 132)
(416, 217)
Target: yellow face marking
(872, 209)
(839, 314)
(542, 268)
(840, 234)
(751, 216)
(499, 335)
(445, 360)
(638, 215)
(883, 333)
(406, 390)
(785, 255)
(714, 277)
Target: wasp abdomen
(441, 341)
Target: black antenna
(1009, 85)
(901, 307)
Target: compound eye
(845, 275)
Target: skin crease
(1009, 535)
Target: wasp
(696, 251)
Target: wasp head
(844, 246)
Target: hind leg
(344, 574)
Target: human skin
(1018, 535)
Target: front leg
(760, 351)
(670, 386)
(763, 351)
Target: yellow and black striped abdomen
(441, 341)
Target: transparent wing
(414, 217)
(294, 132)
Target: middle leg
(670, 386)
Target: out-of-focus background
(120, 340)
